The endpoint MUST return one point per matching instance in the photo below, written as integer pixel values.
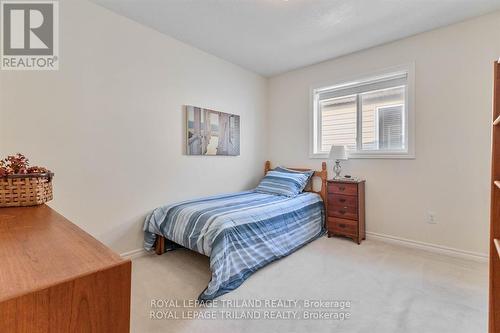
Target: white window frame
(408, 114)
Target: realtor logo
(29, 35)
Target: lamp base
(336, 169)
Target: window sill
(380, 155)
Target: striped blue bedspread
(240, 232)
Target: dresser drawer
(343, 226)
(345, 212)
(340, 200)
(343, 188)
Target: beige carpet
(391, 289)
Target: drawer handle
(342, 212)
(342, 200)
(341, 188)
(342, 225)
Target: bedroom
(113, 123)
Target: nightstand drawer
(343, 226)
(339, 200)
(345, 212)
(343, 188)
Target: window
(372, 117)
(390, 130)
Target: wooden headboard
(323, 175)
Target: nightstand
(346, 209)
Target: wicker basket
(25, 190)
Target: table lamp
(338, 153)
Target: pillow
(288, 184)
(309, 173)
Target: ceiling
(270, 37)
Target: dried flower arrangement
(22, 185)
(19, 165)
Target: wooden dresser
(346, 209)
(54, 277)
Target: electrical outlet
(431, 218)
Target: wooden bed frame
(322, 174)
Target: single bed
(240, 232)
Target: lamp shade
(338, 153)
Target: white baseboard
(469, 255)
(134, 254)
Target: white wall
(450, 176)
(110, 122)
